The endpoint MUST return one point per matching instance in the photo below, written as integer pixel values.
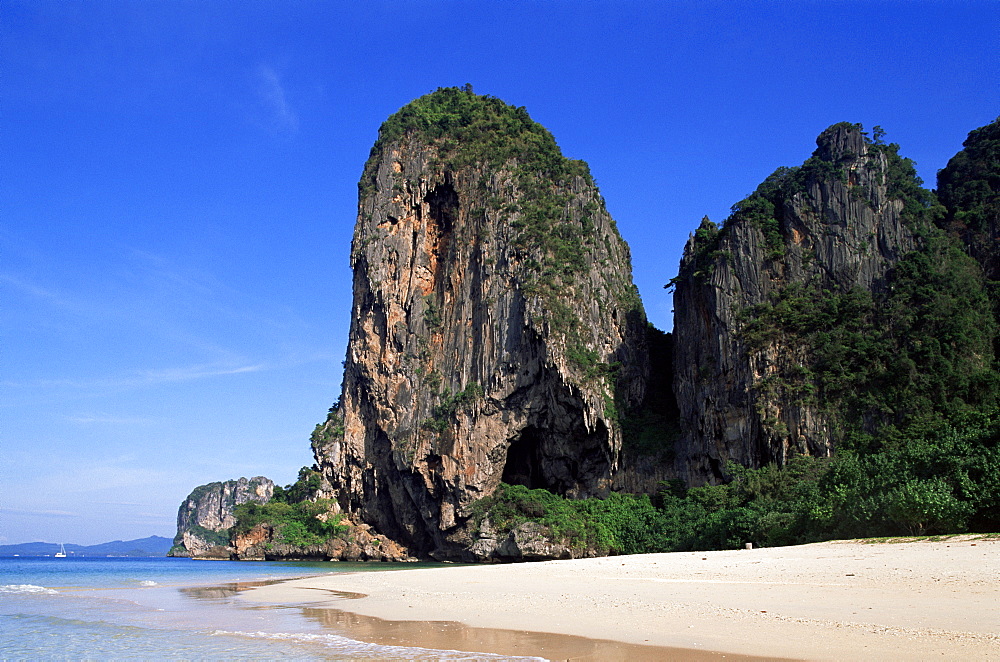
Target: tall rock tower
(811, 247)
(495, 329)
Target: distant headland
(151, 546)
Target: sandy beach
(824, 601)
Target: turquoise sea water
(162, 608)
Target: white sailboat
(61, 554)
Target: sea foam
(26, 588)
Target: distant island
(151, 546)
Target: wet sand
(826, 601)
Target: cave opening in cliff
(523, 466)
(571, 463)
(443, 203)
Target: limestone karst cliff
(830, 225)
(206, 516)
(817, 310)
(269, 541)
(495, 328)
(498, 346)
(255, 520)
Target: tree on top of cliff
(762, 208)
(469, 128)
(482, 132)
(969, 186)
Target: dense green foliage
(969, 186)
(925, 347)
(877, 361)
(706, 255)
(472, 129)
(305, 486)
(907, 373)
(941, 476)
(293, 516)
(296, 524)
(329, 430)
(620, 524)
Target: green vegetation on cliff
(906, 372)
(471, 129)
(970, 184)
(537, 193)
(302, 524)
(763, 209)
(969, 188)
(910, 375)
(877, 361)
(292, 515)
(939, 477)
(925, 347)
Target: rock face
(205, 517)
(528, 541)
(833, 225)
(356, 543)
(495, 327)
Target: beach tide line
(345, 645)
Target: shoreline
(823, 601)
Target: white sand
(836, 600)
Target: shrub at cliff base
(937, 477)
(620, 524)
(292, 517)
(295, 524)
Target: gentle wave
(148, 582)
(26, 588)
(346, 646)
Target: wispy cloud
(106, 419)
(272, 96)
(187, 373)
(164, 273)
(39, 513)
(31, 289)
(140, 379)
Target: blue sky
(179, 189)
